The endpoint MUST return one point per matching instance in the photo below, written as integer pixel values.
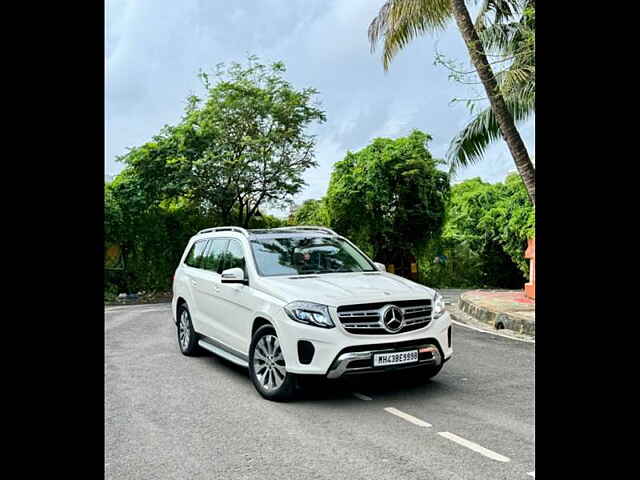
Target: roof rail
(224, 229)
(308, 227)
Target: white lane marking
(492, 333)
(137, 310)
(407, 417)
(138, 306)
(361, 396)
(533, 474)
(474, 446)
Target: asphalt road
(169, 416)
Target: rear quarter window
(195, 256)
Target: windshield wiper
(335, 271)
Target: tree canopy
(311, 212)
(484, 237)
(389, 197)
(241, 147)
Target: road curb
(506, 320)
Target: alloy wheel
(184, 333)
(268, 363)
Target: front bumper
(362, 361)
(338, 352)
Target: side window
(212, 261)
(234, 256)
(194, 259)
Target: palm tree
(399, 21)
(512, 40)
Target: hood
(335, 289)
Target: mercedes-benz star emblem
(392, 318)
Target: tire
(267, 367)
(187, 337)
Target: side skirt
(218, 349)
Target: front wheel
(267, 367)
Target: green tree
(399, 21)
(266, 221)
(151, 235)
(242, 147)
(311, 212)
(484, 237)
(389, 197)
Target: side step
(223, 353)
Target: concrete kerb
(509, 320)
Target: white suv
(299, 301)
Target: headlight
(438, 306)
(309, 313)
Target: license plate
(394, 358)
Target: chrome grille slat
(368, 320)
(411, 321)
(416, 309)
(362, 325)
(363, 313)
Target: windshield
(302, 255)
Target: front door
(237, 301)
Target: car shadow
(386, 385)
(316, 388)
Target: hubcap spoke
(260, 348)
(261, 371)
(280, 369)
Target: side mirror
(380, 266)
(234, 275)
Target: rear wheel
(187, 338)
(267, 367)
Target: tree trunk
(503, 117)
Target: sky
(155, 48)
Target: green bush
(484, 237)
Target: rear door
(207, 289)
(192, 271)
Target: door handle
(216, 289)
(194, 283)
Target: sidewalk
(501, 309)
(135, 299)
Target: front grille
(366, 318)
